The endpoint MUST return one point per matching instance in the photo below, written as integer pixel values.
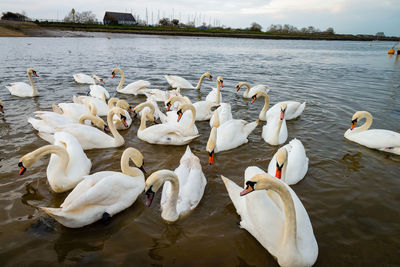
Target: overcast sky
(345, 16)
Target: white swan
(1, 107)
(90, 137)
(182, 83)
(229, 135)
(100, 104)
(293, 110)
(203, 108)
(22, 89)
(212, 96)
(190, 128)
(383, 140)
(290, 163)
(275, 131)
(132, 88)
(68, 163)
(49, 121)
(73, 111)
(183, 188)
(278, 221)
(83, 78)
(224, 114)
(98, 90)
(115, 102)
(162, 134)
(102, 194)
(160, 95)
(249, 92)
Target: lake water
(351, 193)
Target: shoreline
(30, 29)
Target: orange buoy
(391, 51)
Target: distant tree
(330, 30)
(255, 27)
(175, 22)
(312, 29)
(164, 22)
(87, 17)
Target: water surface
(350, 192)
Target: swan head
(211, 144)
(32, 71)
(26, 161)
(124, 105)
(281, 157)
(155, 181)
(258, 182)
(239, 85)
(220, 81)
(1, 107)
(207, 74)
(120, 113)
(115, 71)
(97, 78)
(359, 115)
(283, 110)
(258, 94)
(182, 109)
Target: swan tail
(40, 125)
(60, 216)
(249, 127)
(75, 99)
(56, 109)
(234, 194)
(189, 139)
(47, 137)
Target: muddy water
(351, 193)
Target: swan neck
(35, 92)
(200, 81)
(53, 149)
(128, 170)
(277, 131)
(193, 110)
(246, 92)
(117, 137)
(121, 82)
(170, 210)
(263, 112)
(367, 124)
(143, 120)
(111, 102)
(90, 117)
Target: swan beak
(34, 73)
(149, 196)
(113, 75)
(253, 98)
(179, 114)
(106, 129)
(123, 119)
(210, 78)
(134, 114)
(222, 84)
(282, 116)
(169, 106)
(1, 108)
(142, 169)
(278, 173)
(246, 191)
(237, 89)
(23, 169)
(211, 158)
(353, 124)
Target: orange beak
(246, 191)
(254, 99)
(211, 158)
(210, 78)
(113, 75)
(22, 170)
(168, 106)
(222, 84)
(278, 173)
(353, 124)
(179, 115)
(282, 114)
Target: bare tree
(255, 27)
(84, 17)
(330, 30)
(164, 22)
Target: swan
(277, 219)
(73, 111)
(68, 163)
(182, 83)
(229, 135)
(22, 89)
(98, 90)
(100, 104)
(102, 194)
(183, 188)
(188, 128)
(83, 78)
(1, 107)
(224, 114)
(90, 137)
(49, 121)
(275, 131)
(212, 96)
(383, 140)
(203, 108)
(160, 95)
(249, 92)
(115, 102)
(162, 134)
(293, 110)
(132, 88)
(290, 163)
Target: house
(380, 34)
(117, 18)
(13, 16)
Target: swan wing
(20, 89)
(376, 138)
(212, 96)
(83, 78)
(178, 82)
(97, 91)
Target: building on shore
(117, 18)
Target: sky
(345, 16)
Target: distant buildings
(13, 16)
(116, 18)
(380, 34)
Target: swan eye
(123, 117)
(279, 167)
(354, 121)
(250, 184)
(23, 169)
